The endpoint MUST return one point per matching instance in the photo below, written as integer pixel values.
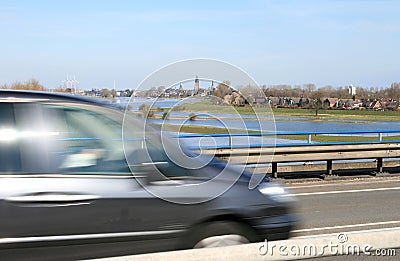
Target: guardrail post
(380, 136)
(329, 169)
(274, 170)
(309, 138)
(379, 164)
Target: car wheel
(221, 233)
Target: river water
(291, 124)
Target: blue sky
(277, 42)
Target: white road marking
(343, 191)
(347, 226)
(344, 184)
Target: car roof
(38, 96)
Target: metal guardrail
(305, 151)
(378, 133)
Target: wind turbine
(67, 82)
(75, 83)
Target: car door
(65, 181)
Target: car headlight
(276, 192)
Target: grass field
(332, 138)
(203, 129)
(340, 114)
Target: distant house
(375, 105)
(286, 102)
(392, 106)
(237, 99)
(326, 104)
(332, 102)
(338, 104)
(297, 102)
(274, 101)
(260, 100)
(349, 104)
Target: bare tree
(223, 89)
(310, 88)
(316, 102)
(106, 93)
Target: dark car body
(57, 205)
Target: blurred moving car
(67, 191)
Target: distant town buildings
(196, 86)
(280, 96)
(352, 90)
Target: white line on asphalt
(344, 184)
(347, 226)
(342, 191)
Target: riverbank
(340, 114)
(300, 138)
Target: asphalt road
(328, 207)
(349, 205)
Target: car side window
(25, 138)
(9, 145)
(90, 142)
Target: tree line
(309, 90)
(32, 85)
